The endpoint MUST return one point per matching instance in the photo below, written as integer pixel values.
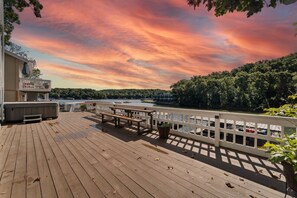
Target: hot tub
(15, 111)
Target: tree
(251, 87)
(18, 50)
(250, 6)
(11, 16)
(35, 74)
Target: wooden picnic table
(130, 111)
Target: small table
(131, 110)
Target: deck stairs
(32, 118)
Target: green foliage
(249, 6)
(11, 16)
(285, 150)
(83, 107)
(252, 87)
(18, 50)
(132, 93)
(164, 124)
(286, 110)
(65, 93)
(35, 73)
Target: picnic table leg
(102, 116)
(119, 121)
(151, 121)
(130, 115)
(138, 128)
(115, 122)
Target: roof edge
(16, 56)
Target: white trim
(16, 56)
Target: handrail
(239, 131)
(26, 84)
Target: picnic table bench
(117, 118)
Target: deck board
(94, 150)
(80, 172)
(10, 165)
(106, 174)
(4, 135)
(33, 186)
(5, 148)
(163, 177)
(58, 177)
(163, 171)
(74, 183)
(45, 178)
(70, 157)
(19, 180)
(143, 169)
(99, 180)
(213, 186)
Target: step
(35, 115)
(32, 118)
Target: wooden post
(118, 121)
(151, 121)
(1, 59)
(115, 121)
(102, 116)
(217, 130)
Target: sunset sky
(147, 43)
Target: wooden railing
(39, 85)
(242, 132)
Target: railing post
(217, 130)
(2, 62)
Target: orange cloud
(147, 44)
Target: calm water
(115, 101)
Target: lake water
(115, 101)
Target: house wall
(32, 96)
(10, 96)
(11, 78)
(13, 74)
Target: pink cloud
(149, 44)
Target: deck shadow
(247, 166)
(244, 165)
(126, 134)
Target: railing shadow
(247, 166)
(244, 165)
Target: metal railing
(34, 85)
(243, 132)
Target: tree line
(251, 87)
(67, 93)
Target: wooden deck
(74, 156)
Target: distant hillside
(251, 87)
(64, 93)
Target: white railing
(34, 85)
(242, 132)
(77, 106)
